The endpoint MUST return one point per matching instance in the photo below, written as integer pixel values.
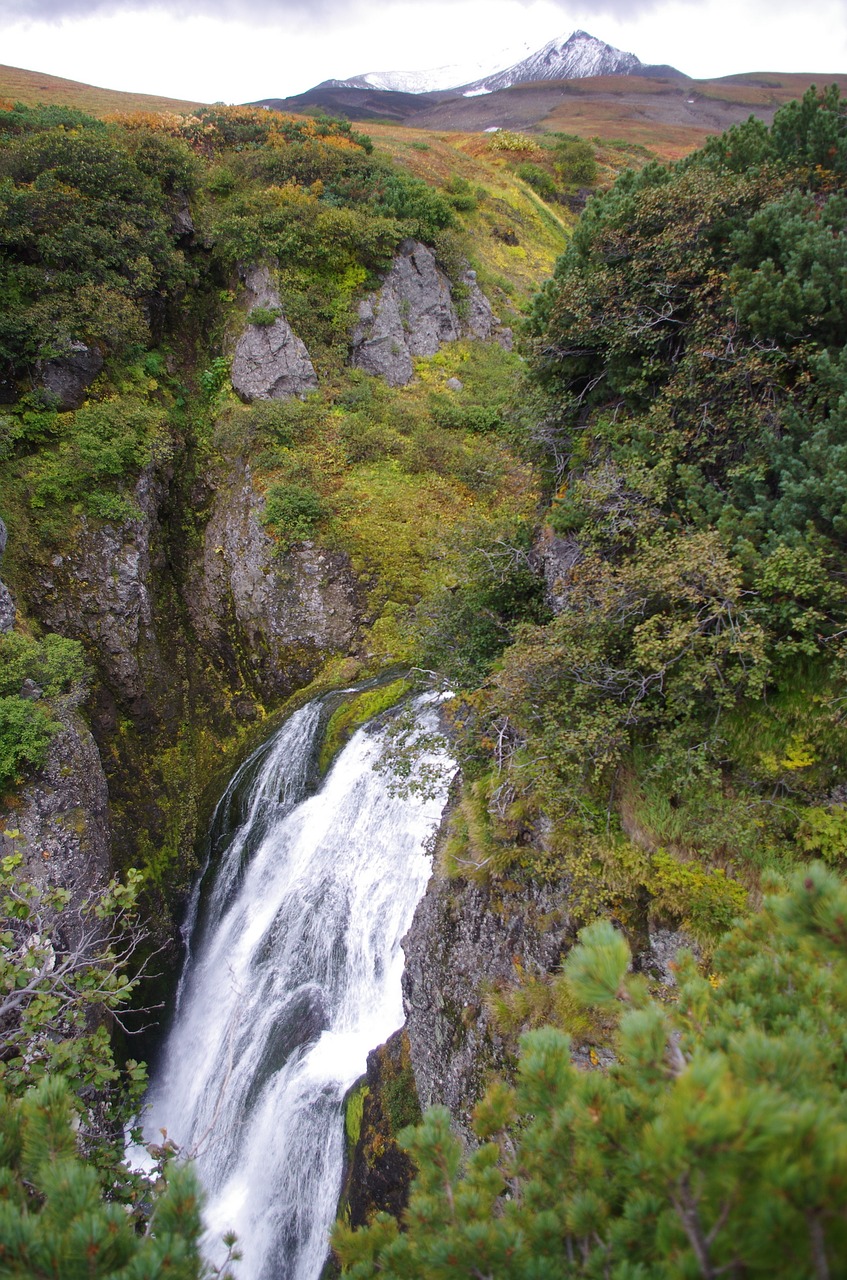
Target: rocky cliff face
(466, 939)
(414, 313)
(283, 615)
(99, 589)
(7, 604)
(67, 377)
(60, 821)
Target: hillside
(32, 87)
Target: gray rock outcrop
(558, 557)
(61, 818)
(66, 378)
(270, 362)
(7, 604)
(288, 613)
(464, 938)
(414, 313)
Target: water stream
(292, 976)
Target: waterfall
(292, 976)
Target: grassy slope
(509, 272)
(32, 87)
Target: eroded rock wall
(466, 939)
(282, 614)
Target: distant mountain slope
(31, 87)
(652, 107)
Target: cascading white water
(293, 975)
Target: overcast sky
(242, 50)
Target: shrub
(292, 511)
(264, 317)
(539, 179)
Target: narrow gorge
(422, 676)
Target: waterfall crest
(293, 975)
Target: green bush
(539, 179)
(103, 447)
(292, 511)
(264, 317)
(26, 729)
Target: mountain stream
(292, 975)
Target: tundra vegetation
(670, 737)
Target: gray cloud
(308, 12)
(261, 11)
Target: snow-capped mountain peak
(566, 58)
(572, 57)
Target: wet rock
(66, 378)
(466, 938)
(379, 1172)
(270, 361)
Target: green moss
(353, 1111)
(351, 715)
(400, 1100)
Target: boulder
(270, 361)
(66, 378)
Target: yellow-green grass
(507, 208)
